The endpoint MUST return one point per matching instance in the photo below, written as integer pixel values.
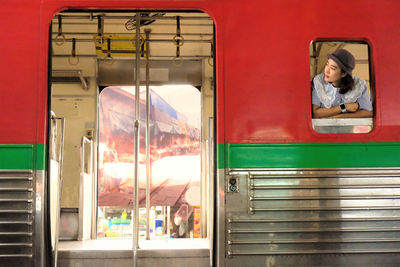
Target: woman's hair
(346, 84)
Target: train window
(341, 89)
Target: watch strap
(342, 107)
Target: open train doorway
(98, 60)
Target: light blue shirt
(326, 95)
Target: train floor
(118, 253)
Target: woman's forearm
(362, 113)
(319, 112)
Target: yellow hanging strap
(100, 29)
(73, 59)
(109, 59)
(178, 41)
(60, 38)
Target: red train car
(278, 186)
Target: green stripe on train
(22, 157)
(307, 155)
(250, 155)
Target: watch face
(342, 107)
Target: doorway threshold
(103, 248)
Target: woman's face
(333, 73)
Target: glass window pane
(174, 157)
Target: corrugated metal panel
(313, 211)
(16, 216)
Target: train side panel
(289, 196)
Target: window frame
(337, 125)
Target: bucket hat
(344, 59)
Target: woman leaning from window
(336, 93)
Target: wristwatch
(343, 108)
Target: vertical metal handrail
(58, 203)
(137, 119)
(211, 186)
(148, 167)
(84, 141)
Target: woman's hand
(352, 107)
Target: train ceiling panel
(76, 35)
